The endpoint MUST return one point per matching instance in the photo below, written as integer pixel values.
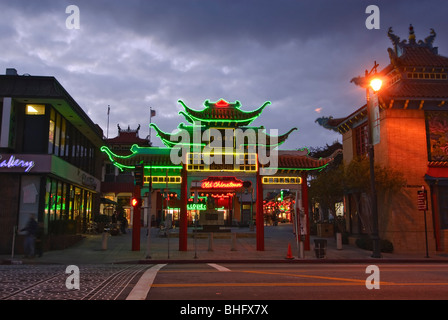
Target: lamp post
(374, 83)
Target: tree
(329, 186)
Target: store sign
(222, 183)
(197, 206)
(422, 200)
(13, 162)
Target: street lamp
(376, 84)
(372, 82)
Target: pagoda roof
(154, 157)
(299, 160)
(416, 72)
(416, 78)
(128, 136)
(221, 114)
(160, 158)
(174, 139)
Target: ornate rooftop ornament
(401, 45)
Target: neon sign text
(16, 163)
(196, 206)
(221, 184)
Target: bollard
(233, 241)
(104, 241)
(210, 241)
(339, 241)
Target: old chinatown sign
(12, 162)
(221, 183)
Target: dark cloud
(134, 54)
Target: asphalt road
(268, 282)
(226, 282)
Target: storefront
(49, 159)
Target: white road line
(141, 289)
(218, 267)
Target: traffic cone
(289, 254)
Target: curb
(293, 261)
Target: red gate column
(183, 223)
(306, 209)
(259, 217)
(136, 222)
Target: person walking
(30, 238)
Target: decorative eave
(342, 125)
(271, 141)
(299, 162)
(175, 139)
(221, 114)
(171, 140)
(152, 157)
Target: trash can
(320, 248)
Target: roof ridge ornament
(399, 44)
(411, 34)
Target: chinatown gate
(217, 171)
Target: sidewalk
(166, 250)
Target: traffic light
(136, 202)
(138, 174)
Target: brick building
(413, 139)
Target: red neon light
(221, 184)
(222, 103)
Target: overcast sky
(133, 55)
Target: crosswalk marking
(141, 289)
(218, 267)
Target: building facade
(413, 139)
(217, 171)
(49, 152)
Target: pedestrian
(124, 224)
(30, 238)
(39, 240)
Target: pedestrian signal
(136, 202)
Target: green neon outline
(191, 117)
(300, 169)
(172, 144)
(120, 166)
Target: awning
(108, 201)
(437, 175)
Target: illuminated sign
(197, 206)
(12, 162)
(221, 183)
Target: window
(62, 141)
(51, 131)
(35, 110)
(361, 139)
